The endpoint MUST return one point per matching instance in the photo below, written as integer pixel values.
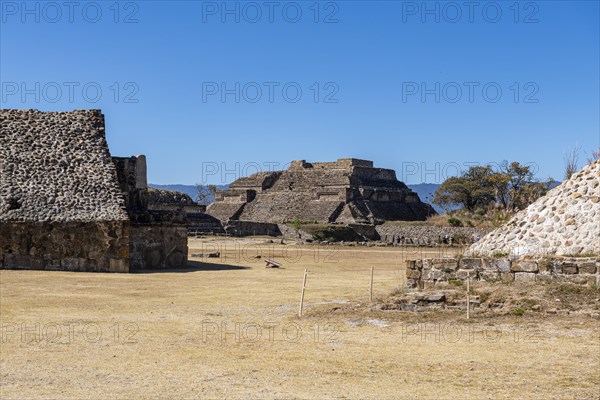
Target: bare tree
(595, 156)
(206, 193)
(571, 159)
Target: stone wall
(66, 204)
(251, 228)
(431, 272)
(429, 235)
(70, 246)
(159, 197)
(131, 175)
(55, 166)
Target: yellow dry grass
(228, 328)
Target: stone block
(507, 277)
(413, 274)
(411, 283)
(587, 267)
(500, 264)
(428, 284)
(490, 276)
(524, 266)
(435, 298)
(556, 266)
(52, 265)
(464, 274)
(118, 265)
(449, 264)
(435, 275)
(525, 276)
(570, 269)
(471, 263)
(70, 264)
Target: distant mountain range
(424, 190)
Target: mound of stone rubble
(564, 222)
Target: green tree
(475, 188)
(523, 188)
(512, 187)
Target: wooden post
(371, 290)
(468, 296)
(302, 295)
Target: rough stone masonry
(66, 204)
(566, 221)
(345, 191)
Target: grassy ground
(228, 328)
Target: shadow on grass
(193, 266)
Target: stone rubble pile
(564, 222)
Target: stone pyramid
(564, 222)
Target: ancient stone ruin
(556, 238)
(66, 204)
(564, 222)
(198, 221)
(346, 191)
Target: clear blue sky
(371, 57)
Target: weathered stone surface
(500, 264)
(345, 191)
(440, 264)
(524, 266)
(525, 276)
(56, 167)
(413, 274)
(490, 276)
(471, 263)
(570, 269)
(66, 204)
(435, 275)
(588, 267)
(465, 273)
(429, 235)
(564, 222)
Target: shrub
(454, 221)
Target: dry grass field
(229, 328)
